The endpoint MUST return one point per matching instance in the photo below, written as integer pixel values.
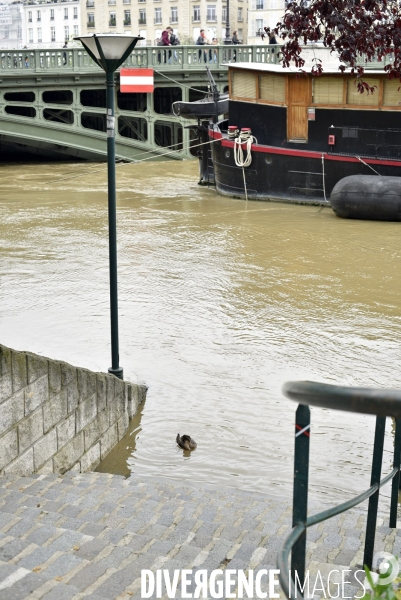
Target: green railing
(161, 58)
(382, 403)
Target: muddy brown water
(221, 302)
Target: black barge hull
(288, 175)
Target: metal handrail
(382, 403)
(41, 60)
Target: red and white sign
(136, 80)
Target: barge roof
(273, 68)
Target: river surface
(221, 302)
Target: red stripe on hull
(304, 153)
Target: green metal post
(396, 479)
(300, 497)
(115, 368)
(374, 499)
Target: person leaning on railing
(235, 41)
(213, 56)
(202, 41)
(272, 40)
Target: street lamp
(228, 35)
(109, 51)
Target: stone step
(89, 535)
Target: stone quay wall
(55, 417)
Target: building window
(224, 14)
(75, 12)
(52, 14)
(196, 17)
(90, 3)
(259, 25)
(39, 32)
(174, 15)
(66, 33)
(29, 16)
(142, 16)
(240, 15)
(260, 4)
(76, 30)
(52, 34)
(211, 13)
(127, 1)
(38, 15)
(66, 13)
(158, 16)
(31, 36)
(112, 19)
(91, 20)
(142, 33)
(127, 17)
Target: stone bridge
(52, 102)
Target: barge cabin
(310, 132)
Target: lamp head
(109, 50)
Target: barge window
(357, 99)
(328, 90)
(272, 88)
(244, 85)
(391, 92)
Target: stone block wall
(55, 417)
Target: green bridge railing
(165, 59)
(382, 403)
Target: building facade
(11, 25)
(148, 18)
(263, 13)
(51, 24)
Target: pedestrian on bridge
(165, 41)
(202, 41)
(65, 53)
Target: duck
(186, 442)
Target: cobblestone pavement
(89, 535)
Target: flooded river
(221, 302)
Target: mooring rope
(245, 137)
(363, 162)
(324, 179)
(120, 162)
(242, 137)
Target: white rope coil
(244, 137)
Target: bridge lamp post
(228, 35)
(109, 51)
